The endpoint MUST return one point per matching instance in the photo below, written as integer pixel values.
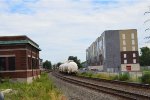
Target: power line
(148, 28)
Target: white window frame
(124, 42)
(125, 55)
(123, 36)
(134, 55)
(125, 61)
(133, 42)
(134, 61)
(132, 35)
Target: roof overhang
(20, 42)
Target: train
(69, 67)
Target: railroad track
(137, 85)
(103, 89)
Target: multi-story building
(115, 51)
(19, 58)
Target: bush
(146, 78)
(124, 77)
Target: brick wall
(20, 74)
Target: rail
(107, 90)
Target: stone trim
(7, 55)
(13, 49)
(22, 80)
(19, 70)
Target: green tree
(54, 67)
(47, 65)
(58, 64)
(145, 56)
(76, 60)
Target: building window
(125, 61)
(124, 48)
(124, 42)
(134, 55)
(133, 42)
(2, 63)
(29, 62)
(11, 63)
(125, 55)
(123, 36)
(134, 61)
(7, 63)
(133, 48)
(132, 35)
(34, 63)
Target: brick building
(114, 51)
(19, 58)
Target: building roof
(7, 40)
(111, 30)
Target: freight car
(69, 67)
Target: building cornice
(20, 42)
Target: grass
(99, 75)
(121, 77)
(40, 89)
(108, 76)
(146, 71)
(146, 77)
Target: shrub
(146, 78)
(124, 77)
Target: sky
(65, 28)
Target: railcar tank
(68, 67)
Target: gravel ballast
(73, 92)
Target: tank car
(69, 67)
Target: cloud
(67, 27)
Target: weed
(146, 78)
(40, 89)
(124, 77)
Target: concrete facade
(19, 58)
(115, 50)
(112, 60)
